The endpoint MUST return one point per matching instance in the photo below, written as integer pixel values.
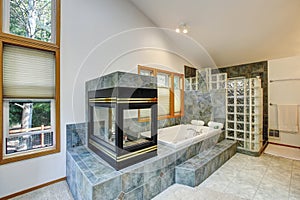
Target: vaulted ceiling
(233, 31)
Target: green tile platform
(196, 169)
(89, 177)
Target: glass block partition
(217, 81)
(205, 78)
(244, 113)
(197, 82)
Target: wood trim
(57, 101)
(33, 154)
(7, 38)
(1, 17)
(58, 15)
(172, 98)
(285, 145)
(33, 188)
(182, 95)
(1, 96)
(27, 42)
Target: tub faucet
(195, 131)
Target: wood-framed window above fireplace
(170, 88)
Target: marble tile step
(195, 170)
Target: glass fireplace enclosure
(117, 116)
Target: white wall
(284, 93)
(92, 44)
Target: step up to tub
(195, 170)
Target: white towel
(215, 125)
(273, 117)
(197, 122)
(288, 118)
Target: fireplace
(116, 117)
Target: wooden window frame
(172, 114)
(7, 38)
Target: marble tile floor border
(242, 177)
(283, 151)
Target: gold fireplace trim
(136, 153)
(123, 100)
(124, 157)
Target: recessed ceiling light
(182, 28)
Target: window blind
(28, 73)
(177, 94)
(163, 101)
(177, 101)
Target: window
(31, 19)
(170, 92)
(29, 79)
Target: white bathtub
(183, 135)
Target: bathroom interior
(150, 105)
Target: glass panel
(230, 93)
(214, 77)
(230, 117)
(240, 126)
(240, 135)
(162, 80)
(176, 83)
(240, 83)
(230, 133)
(30, 19)
(230, 100)
(221, 85)
(146, 72)
(30, 124)
(240, 92)
(230, 84)
(240, 118)
(231, 125)
(214, 85)
(132, 129)
(240, 109)
(104, 123)
(230, 109)
(240, 100)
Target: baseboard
(32, 189)
(285, 145)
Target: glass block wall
(244, 113)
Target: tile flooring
(242, 177)
(245, 177)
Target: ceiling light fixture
(182, 28)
